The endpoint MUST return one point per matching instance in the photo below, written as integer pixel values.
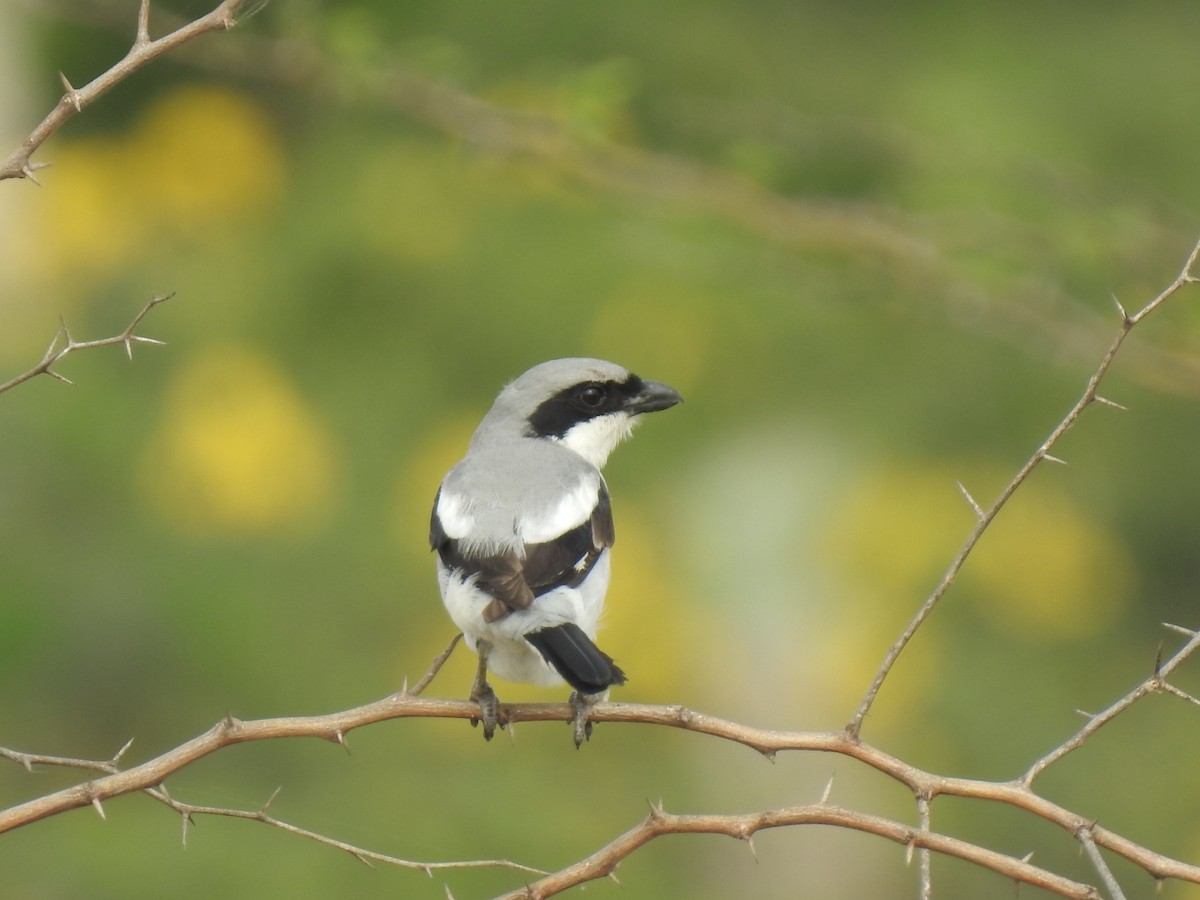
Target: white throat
(596, 438)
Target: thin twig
(924, 857)
(438, 661)
(188, 811)
(1155, 683)
(63, 344)
(144, 50)
(985, 518)
(1097, 859)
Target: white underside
(512, 657)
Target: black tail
(580, 662)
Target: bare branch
(63, 344)
(188, 811)
(438, 662)
(1155, 683)
(1086, 399)
(743, 827)
(29, 760)
(1097, 859)
(151, 774)
(143, 51)
(925, 861)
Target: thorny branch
(189, 811)
(63, 343)
(1157, 682)
(984, 517)
(149, 777)
(462, 114)
(143, 51)
(604, 861)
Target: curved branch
(334, 727)
(143, 51)
(604, 861)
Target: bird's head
(587, 405)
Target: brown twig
(435, 667)
(63, 344)
(144, 50)
(984, 517)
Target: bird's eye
(591, 396)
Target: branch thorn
(1120, 308)
(825, 794)
(120, 753)
(263, 809)
(99, 807)
(1187, 632)
(1054, 459)
(971, 500)
(1113, 403)
(72, 95)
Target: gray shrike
(522, 527)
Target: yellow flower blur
(198, 160)
(237, 449)
(1044, 571)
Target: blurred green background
(873, 245)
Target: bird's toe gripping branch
(581, 726)
(482, 693)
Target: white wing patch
(453, 511)
(573, 510)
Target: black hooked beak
(653, 396)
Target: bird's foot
(581, 705)
(482, 693)
(489, 709)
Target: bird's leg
(581, 705)
(482, 693)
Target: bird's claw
(581, 705)
(489, 710)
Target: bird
(522, 528)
